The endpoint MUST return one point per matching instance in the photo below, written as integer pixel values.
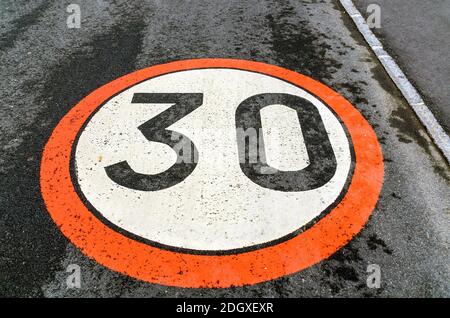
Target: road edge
(409, 92)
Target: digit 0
(322, 159)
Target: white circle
(216, 208)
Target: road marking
(112, 181)
(217, 207)
(412, 96)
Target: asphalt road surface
(47, 68)
(416, 33)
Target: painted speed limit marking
(211, 173)
(212, 202)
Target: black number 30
(322, 160)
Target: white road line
(437, 133)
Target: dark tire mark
(26, 228)
(22, 24)
(297, 46)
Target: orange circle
(151, 264)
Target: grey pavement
(47, 68)
(416, 33)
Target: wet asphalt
(416, 33)
(47, 68)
